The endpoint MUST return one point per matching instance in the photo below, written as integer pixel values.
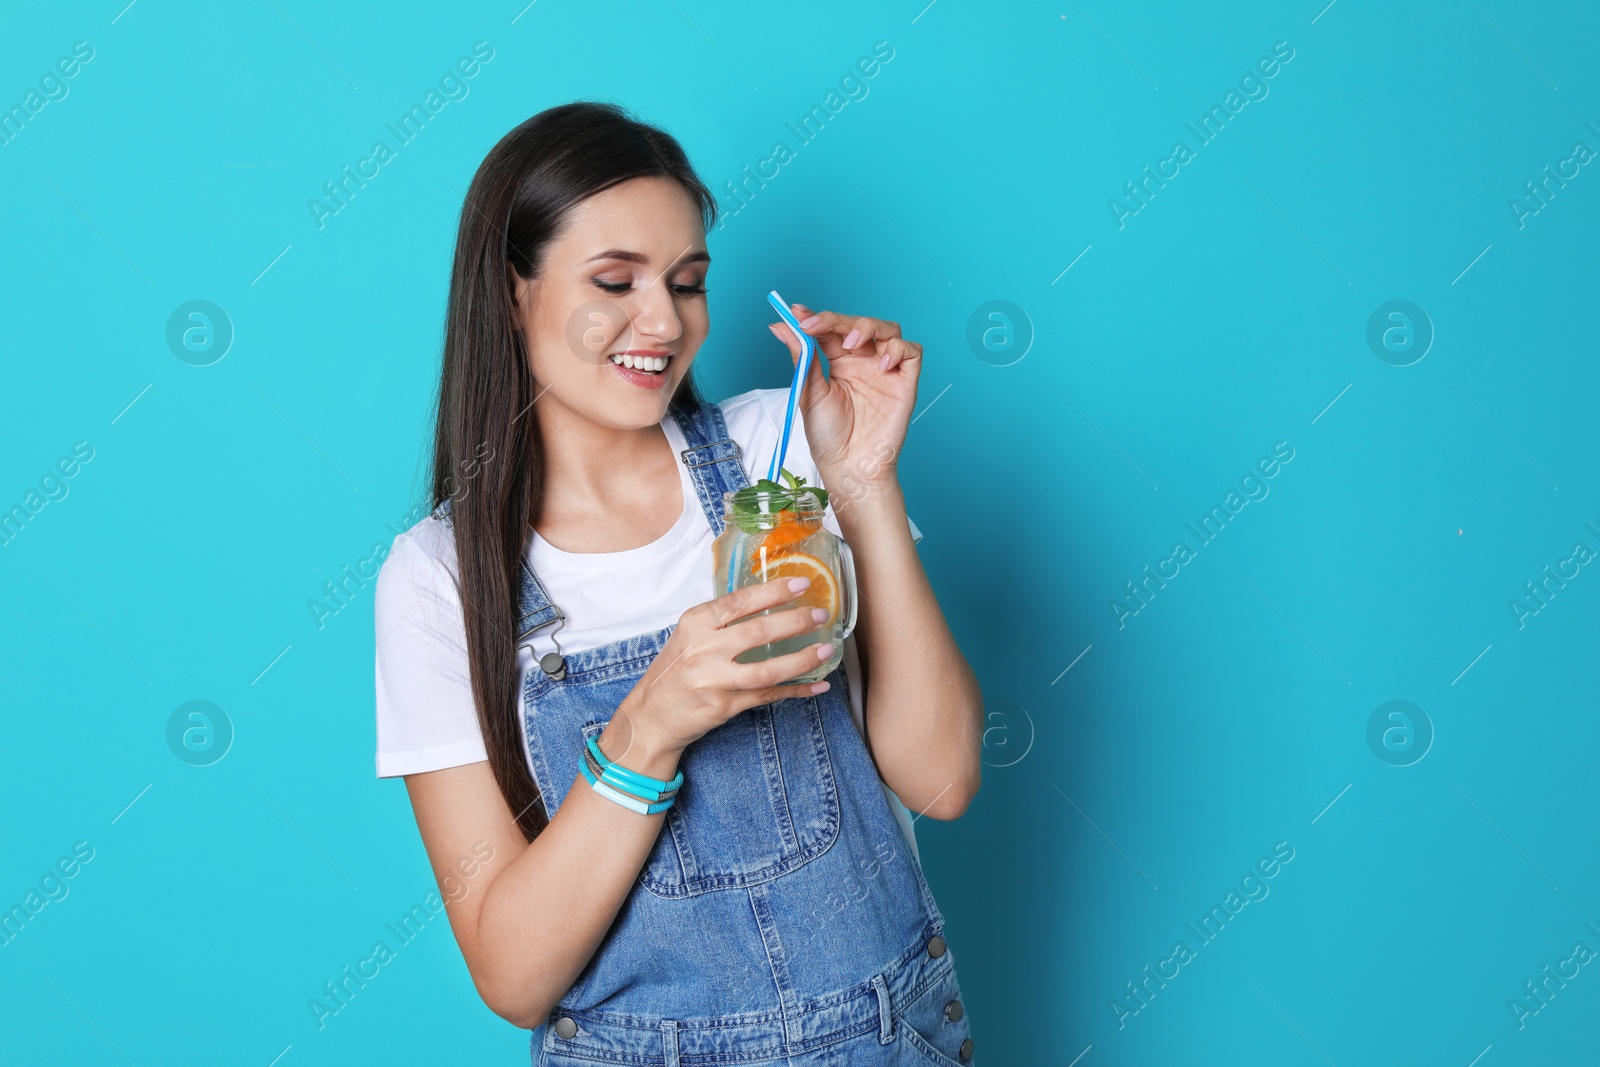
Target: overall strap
(713, 459)
(534, 608)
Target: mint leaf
(797, 483)
(747, 512)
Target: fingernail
(883, 364)
(819, 614)
(820, 687)
(798, 584)
(852, 338)
(806, 324)
(825, 650)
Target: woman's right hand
(694, 685)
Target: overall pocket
(759, 800)
(932, 1029)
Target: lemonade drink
(775, 531)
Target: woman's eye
(623, 287)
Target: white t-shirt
(426, 717)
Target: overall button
(966, 1049)
(954, 1011)
(935, 946)
(566, 1028)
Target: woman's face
(624, 278)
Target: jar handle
(849, 560)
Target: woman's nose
(657, 316)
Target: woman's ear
(515, 282)
(522, 297)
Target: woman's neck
(598, 477)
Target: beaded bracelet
(632, 803)
(616, 774)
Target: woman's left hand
(856, 419)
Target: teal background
(1124, 797)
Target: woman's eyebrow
(627, 256)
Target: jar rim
(806, 500)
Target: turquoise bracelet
(627, 800)
(617, 774)
(600, 772)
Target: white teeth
(648, 364)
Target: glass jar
(780, 535)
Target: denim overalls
(781, 917)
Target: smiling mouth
(642, 364)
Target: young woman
(775, 913)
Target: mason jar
(780, 535)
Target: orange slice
(782, 538)
(823, 592)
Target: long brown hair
(486, 456)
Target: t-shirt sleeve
(427, 720)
